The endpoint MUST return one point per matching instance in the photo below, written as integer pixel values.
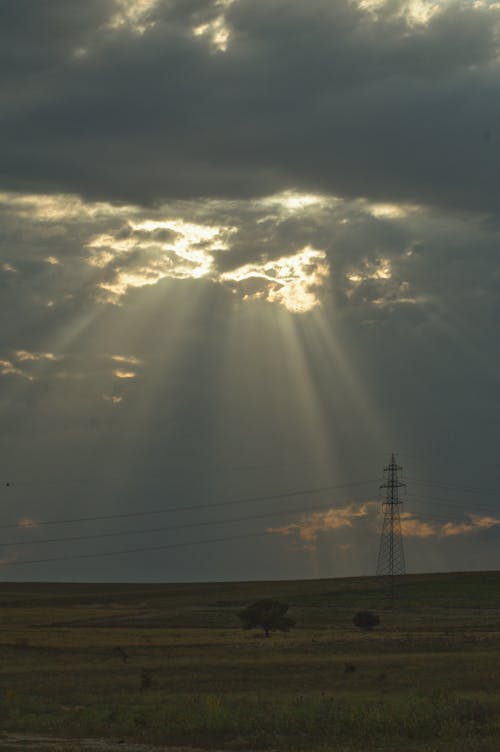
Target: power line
(93, 536)
(193, 507)
(454, 486)
(134, 550)
(137, 549)
(183, 526)
(459, 505)
(421, 516)
(92, 479)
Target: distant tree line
(271, 616)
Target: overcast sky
(248, 248)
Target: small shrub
(366, 620)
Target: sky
(248, 249)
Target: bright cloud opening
(415, 12)
(26, 355)
(59, 207)
(128, 359)
(391, 211)
(379, 269)
(291, 280)
(150, 250)
(133, 14)
(217, 30)
(121, 373)
(292, 201)
(7, 368)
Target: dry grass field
(170, 665)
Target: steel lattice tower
(391, 558)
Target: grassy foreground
(169, 664)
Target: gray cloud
(37, 39)
(326, 98)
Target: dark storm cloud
(318, 96)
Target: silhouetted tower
(391, 558)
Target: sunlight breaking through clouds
(217, 30)
(133, 250)
(128, 359)
(375, 282)
(60, 206)
(291, 280)
(420, 12)
(26, 355)
(297, 201)
(144, 252)
(378, 269)
(148, 250)
(7, 368)
(121, 373)
(127, 247)
(132, 14)
(415, 12)
(20, 361)
(292, 202)
(392, 211)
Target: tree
(365, 620)
(268, 614)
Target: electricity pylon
(391, 557)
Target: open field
(170, 665)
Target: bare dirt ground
(35, 743)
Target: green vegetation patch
(298, 723)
